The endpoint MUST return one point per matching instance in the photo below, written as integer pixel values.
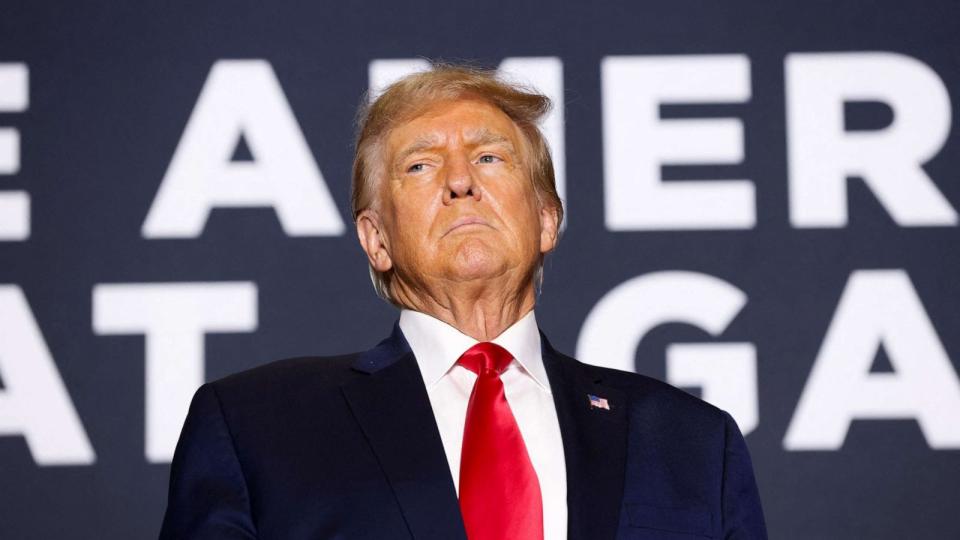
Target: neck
(481, 311)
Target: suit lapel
(594, 446)
(392, 408)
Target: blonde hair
(412, 95)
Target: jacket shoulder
(646, 391)
(289, 375)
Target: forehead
(465, 120)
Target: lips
(466, 221)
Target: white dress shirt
(437, 347)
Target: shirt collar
(437, 345)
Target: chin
(477, 260)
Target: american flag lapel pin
(597, 402)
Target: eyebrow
(484, 136)
(423, 142)
(477, 137)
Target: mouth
(466, 223)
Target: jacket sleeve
(208, 495)
(742, 511)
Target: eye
(488, 158)
(415, 168)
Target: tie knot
(486, 357)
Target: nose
(460, 182)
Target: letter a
(242, 98)
(878, 307)
(34, 402)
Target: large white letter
(543, 73)
(382, 72)
(174, 318)
(725, 371)
(546, 75)
(242, 98)
(822, 154)
(878, 307)
(14, 205)
(33, 401)
(636, 143)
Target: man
(465, 422)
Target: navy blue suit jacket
(347, 447)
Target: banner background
(111, 89)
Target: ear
(373, 241)
(549, 228)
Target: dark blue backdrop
(99, 98)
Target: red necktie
(499, 491)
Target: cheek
(407, 202)
(412, 222)
(522, 218)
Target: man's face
(456, 203)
